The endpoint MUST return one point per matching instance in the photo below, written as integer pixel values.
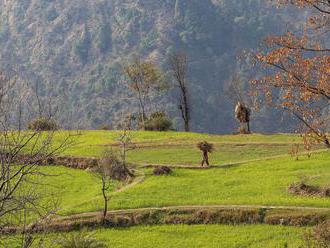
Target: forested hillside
(71, 51)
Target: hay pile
(308, 190)
(205, 146)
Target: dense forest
(72, 51)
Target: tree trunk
(186, 110)
(186, 126)
(105, 210)
(141, 109)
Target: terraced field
(248, 170)
(201, 236)
(253, 183)
(180, 148)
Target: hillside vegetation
(72, 51)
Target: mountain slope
(72, 50)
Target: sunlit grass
(208, 236)
(255, 183)
(180, 148)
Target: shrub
(105, 127)
(163, 170)
(115, 168)
(43, 124)
(159, 121)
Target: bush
(43, 124)
(115, 168)
(105, 127)
(163, 170)
(159, 121)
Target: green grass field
(208, 236)
(180, 148)
(254, 181)
(204, 236)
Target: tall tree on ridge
(179, 68)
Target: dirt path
(229, 164)
(138, 179)
(194, 207)
(157, 144)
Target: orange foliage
(298, 66)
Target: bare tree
(109, 169)
(46, 107)
(21, 152)
(126, 144)
(144, 78)
(179, 69)
(103, 172)
(112, 168)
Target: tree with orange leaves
(298, 70)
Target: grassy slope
(203, 236)
(110, 137)
(197, 236)
(263, 182)
(180, 148)
(189, 155)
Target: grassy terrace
(210, 236)
(180, 148)
(203, 236)
(254, 183)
